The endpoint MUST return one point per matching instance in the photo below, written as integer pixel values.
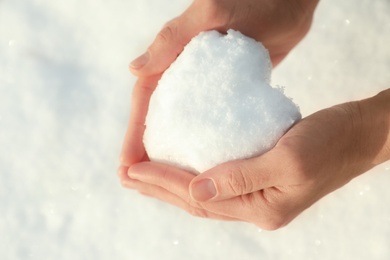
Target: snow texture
(64, 106)
(214, 104)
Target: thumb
(168, 44)
(234, 179)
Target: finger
(122, 174)
(240, 177)
(169, 197)
(170, 178)
(258, 208)
(168, 44)
(133, 149)
(125, 180)
(156, 180)
(169, 184)
(276, 59)
(177, 33)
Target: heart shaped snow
(215, 104)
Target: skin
(320, 154)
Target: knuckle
(276, 213)
(165, 173)
(168, 32)
(237, 182)
(272, 197)
(196, 209)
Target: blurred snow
(64, 104)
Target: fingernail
(140, 61)
(203, 190)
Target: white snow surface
(64, 104)
(214, 104)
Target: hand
(279, 24)
(318, 155)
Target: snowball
(215, 104)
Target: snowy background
(64, 104)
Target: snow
(216, 90)
(64, 104)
